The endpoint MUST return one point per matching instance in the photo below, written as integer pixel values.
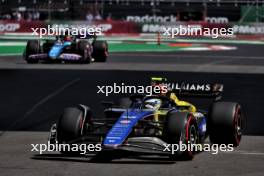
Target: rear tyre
(100, 51)
(181, 128)
(33, 47)
(84, 49)
(225, 123)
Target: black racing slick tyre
(181, 128)
(225, 123)
(84, 49)
(33, 47)
(70, 125)
(100, 51)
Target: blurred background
(133, 20)
(133, 16)
(213, 11)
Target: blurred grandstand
(134, 17)
(183, 10)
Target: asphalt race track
(32, 97)
(246, 59)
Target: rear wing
(200, 90)
(184, 89)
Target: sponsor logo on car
(125, 121)
(189, 86)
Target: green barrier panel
(252, 13)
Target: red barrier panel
(120, 27)
(124, 27)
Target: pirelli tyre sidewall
(33, 47)
(181, 128)
(225, 123)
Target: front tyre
(33, 47)
(225, 123)
(70, 125)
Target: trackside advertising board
(118, 27)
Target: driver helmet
(153, 103)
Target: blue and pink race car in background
(66, 49)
